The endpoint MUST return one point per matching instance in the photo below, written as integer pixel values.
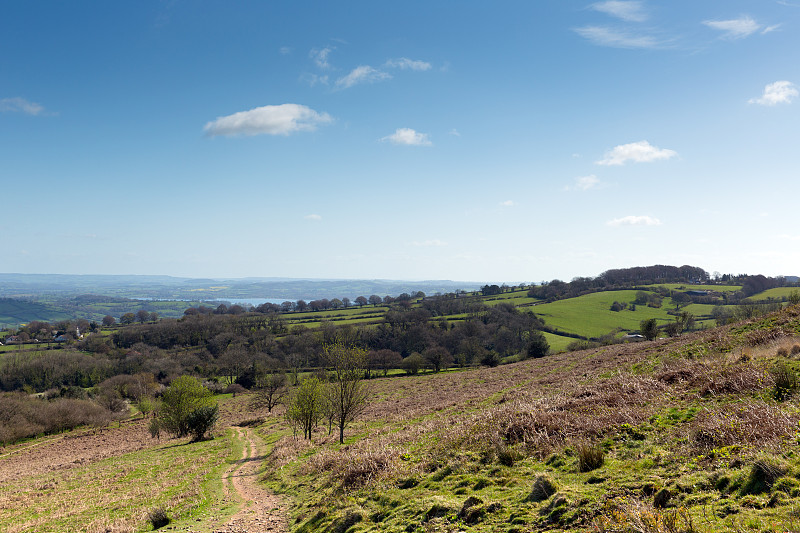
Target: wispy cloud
(20, 105)
(312, 217)
(429, 242)
(508, 203)
(362, 74)
(320, 56)
(633, 220)
(605, 36)
(408, 137)
(285, 50)
(281, 119)
(405, 63)
(584, 183)
(314, 79)
(455, 133)
(630, 11)
(638, 152)
(780, 92)
(740, 28)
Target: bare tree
(349, 393)
(269, 391)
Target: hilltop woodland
(646, 399)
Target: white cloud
(584, 183)
(780, 92)
(312, 217)
(630, 11)
(270, 119)
(605, 36)
(405, 63)
(508, 203)
(361, 74)
(770, 29)
(314, 79)
(20, 105)
(320, 56)
(455, 132)
(639, 152)
(285, 50)
(735, 28)
(430, 242)
(633, 220)
(408, 137)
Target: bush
(202, 420)
(537, 344)
(158, 517)
(184, 398)
(590, 456)
(785, 382)
(543, 488)
(413, 363)
(763, 474)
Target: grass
(689, 434)
(118, 492)
(590, 315)
(778, 293)
(557, 343)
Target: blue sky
(502, 141)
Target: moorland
(647, 399)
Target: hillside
(698, 432)
(694, 433)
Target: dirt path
(261, 510)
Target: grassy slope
(777, 293)
(116, 492)
(590, 315)
(462, 451)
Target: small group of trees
(340, 398)
(140, 316)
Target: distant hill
(175, 288)
(16, 312)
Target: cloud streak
(283, 119)
(735, 28)
(629, 11)
(408, 137)
(633, 220)
(780, 92)
(405, 63)
(20, 105)
(361, 74)
(638, 152)
(605, 36)
(584, 183)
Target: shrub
(413, 363)
(158, 517)
(785, 381)
(543, 488)
(795, 349)
(537, 344)
(590, 456)
(180, 401)
(763, 474)
(202, 420)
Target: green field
(691, 287)
(778, 293)
(590, 315)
